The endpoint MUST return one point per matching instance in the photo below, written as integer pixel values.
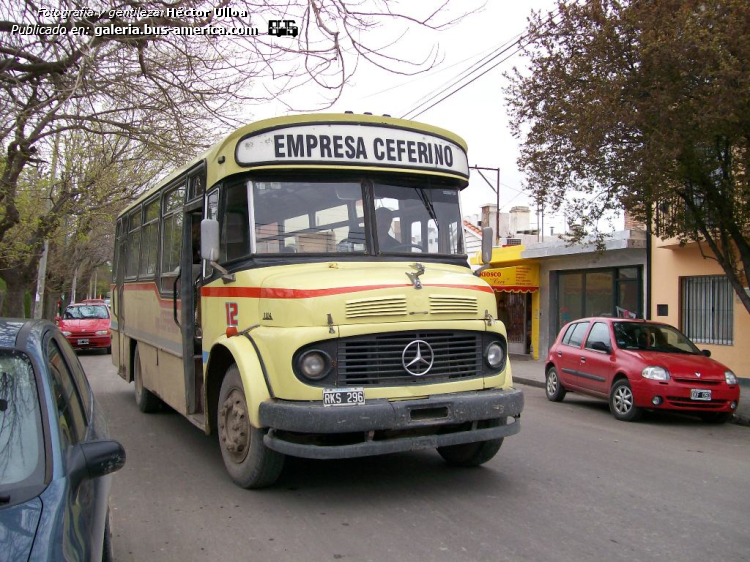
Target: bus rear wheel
(248, 461)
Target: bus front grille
(448, 304)
(383, 306)
(379, 359)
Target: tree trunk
(16, 288)
(51, 298)
(73, 286)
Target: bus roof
(222, 158)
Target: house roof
(474, 229)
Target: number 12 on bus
(302, 289)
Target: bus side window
(149, 239)
(212, 212)
(235, 239)
(171, 236)
(133, 244)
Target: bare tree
(97, 176)
(151, 73)
(169, 77)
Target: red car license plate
(697, 394)
(83, 342)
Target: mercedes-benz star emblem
(417, 358)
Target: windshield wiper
(428, 204)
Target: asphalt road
(574, 485)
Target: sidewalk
(531, 373)
(527, 371)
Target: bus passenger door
(191, 274)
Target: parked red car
(87, 326)
(637, 365)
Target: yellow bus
(302, 289)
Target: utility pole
(496, 189)
(42, 273)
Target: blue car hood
(18, 525)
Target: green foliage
(644, 106)
(27, 305)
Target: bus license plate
(697, 394)
(344, 397)
(83, 342)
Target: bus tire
(471, 454)
(146, 400)
(248, 461)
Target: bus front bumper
(311, 430)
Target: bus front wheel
(472, 454)
(249, 462)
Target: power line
(517, 43)
(472, 68)
(428, 75)
(458, 79)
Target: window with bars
(707, 309)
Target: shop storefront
(540, 287)
(517, 293)
(579, 281)
(614, 291)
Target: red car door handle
(559, 353)
(583, 359)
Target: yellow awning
(514, 279)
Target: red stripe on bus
(311, 293)
(483, 288)
(150, 286)
(275, 293)
(231, 292)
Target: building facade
(540, 287)
(690, 291)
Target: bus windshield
(330, 217)
(415, 219)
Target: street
(574, 485)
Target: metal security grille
(707, 309)
(377, 360)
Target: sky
(477, 113)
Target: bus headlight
(314, 364)
(495, 355)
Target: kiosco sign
(347, 144)
(519, 278)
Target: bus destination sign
(362, 145)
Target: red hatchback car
(87, 326)
(637, 365)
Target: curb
(737, 419)
(528, 382)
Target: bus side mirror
(486, 245)
(210, 240)
(486, 250)
(210, 247)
